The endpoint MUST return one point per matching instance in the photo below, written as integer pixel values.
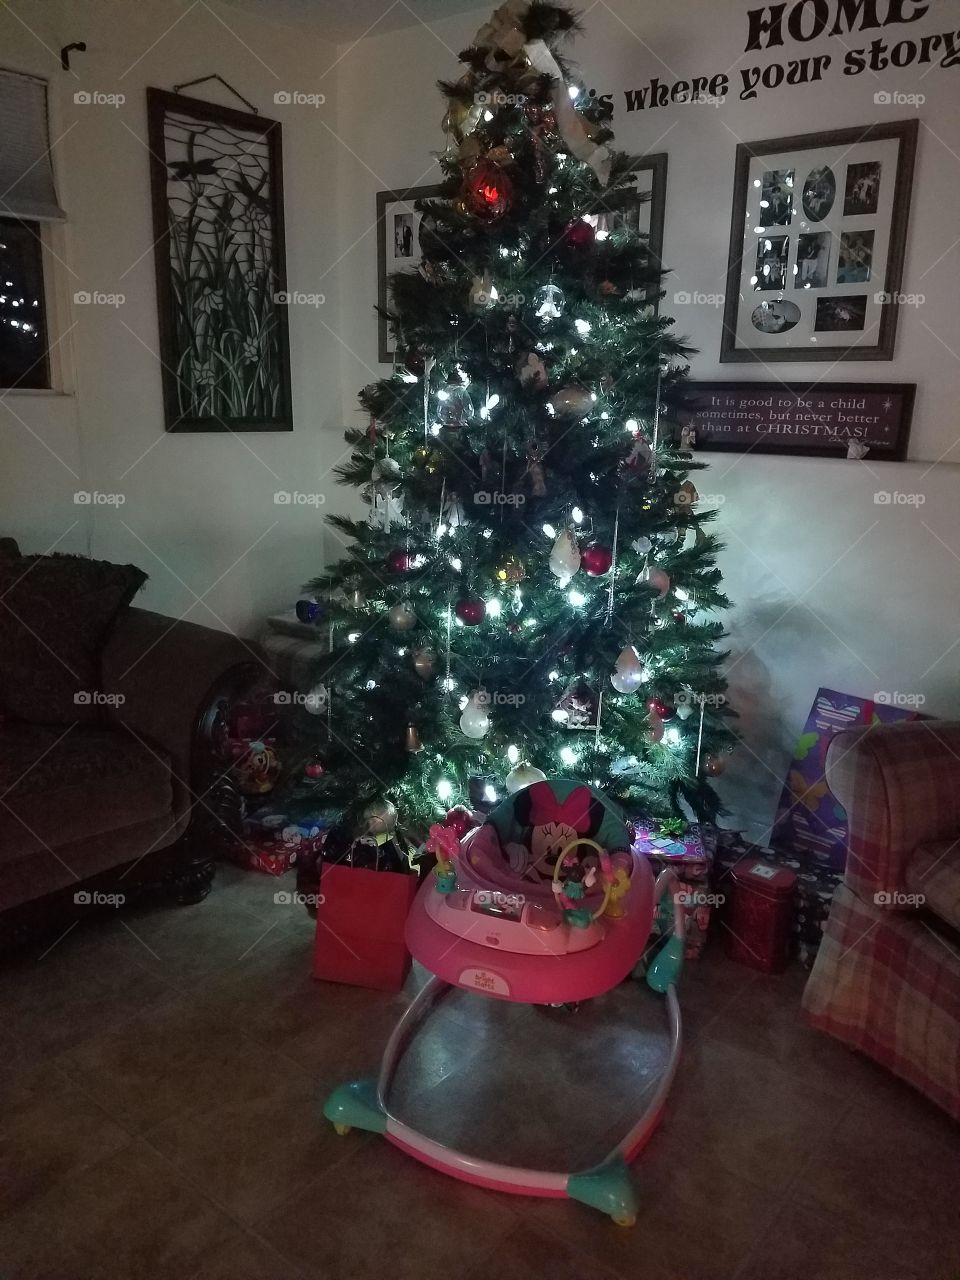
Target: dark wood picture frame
(409, 196)
(656, 164)
(905, 391)
(905, 131)
(267, 350)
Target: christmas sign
(818, 419)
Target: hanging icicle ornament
(475, 720)
(565, 557)
(608, 618)
(629, 672)
(656, 425)
(413, 742)
(428, 363)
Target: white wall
(829, 587)
(200, 507)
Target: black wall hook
(65, 52)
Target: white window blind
(26, 173)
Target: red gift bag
(360, 923)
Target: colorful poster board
(810, 821)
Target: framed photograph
(816, 245)
(398, 249)
(646, 216)
(811, 419)
(217, 185)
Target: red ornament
(414, 360)
(314, 769)
(679, 618)
(658, 707)
(596, 559)
(579, 235)
(400, 561)
(487, 191)
(471, 610)
(460, 820)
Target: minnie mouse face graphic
(553, 824)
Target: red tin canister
(759, 914)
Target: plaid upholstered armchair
(887, 977)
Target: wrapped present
(688, 850)
(273, 841)
(813, 892)
(360, 926)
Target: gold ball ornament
(403, 616)
(572, 402)
(424, 662)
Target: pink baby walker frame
(491, 922)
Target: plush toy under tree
(531, 593)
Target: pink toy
(545, 903)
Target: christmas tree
(533, 590)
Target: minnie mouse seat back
(547, 902)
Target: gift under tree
(533, 590)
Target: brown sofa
(96, 812)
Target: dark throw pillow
(56, 613)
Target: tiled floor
(161, 1075)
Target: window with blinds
(28, 198)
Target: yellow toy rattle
(570, 893)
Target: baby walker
(545, 903)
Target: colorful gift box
(273, 842)
(688, 851)
(810, 823)
(360, 927)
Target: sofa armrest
(168, 674)
(900, 786)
